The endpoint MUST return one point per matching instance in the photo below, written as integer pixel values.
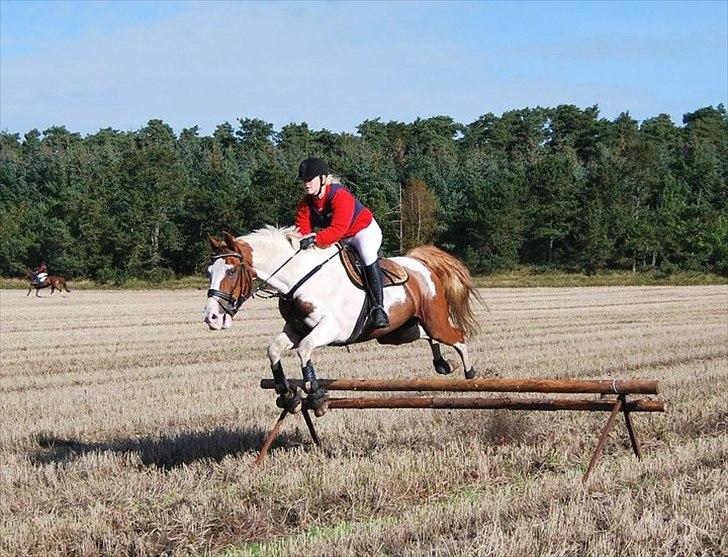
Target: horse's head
(231, 280)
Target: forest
(554, 188)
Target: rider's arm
(303, 217)
(342, 208)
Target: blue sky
(89, 65)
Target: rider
(340, 216)
(40, 273)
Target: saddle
(394, 274)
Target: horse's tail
(459, 288)
(64, 283)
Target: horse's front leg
(325, 332)
(29, 289)
(288, 398)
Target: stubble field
(126, 427)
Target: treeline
(556, 187)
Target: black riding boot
(375, 284)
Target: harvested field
(128, 428)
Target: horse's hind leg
(441, 364)
(29, 289)
(440, 330)
(462, 351)
(287, 397)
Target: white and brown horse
(323, 308)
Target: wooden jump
(615, 404)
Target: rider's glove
(308, 242)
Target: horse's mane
(272, 238)
(277, 241)
(272, 232)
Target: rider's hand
(308, 241)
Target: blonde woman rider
(333, 209)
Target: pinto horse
(56, 282)
(321, 305)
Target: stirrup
(379, 317)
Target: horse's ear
(294, 238)
(217, 245)
(230, 241)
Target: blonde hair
(331, 179)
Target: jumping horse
(56, 282)
(322, 306)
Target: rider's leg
(367, 242)
(375, 284)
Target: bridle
(229, 303)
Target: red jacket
(342, 207)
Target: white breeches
(367, 242)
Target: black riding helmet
(312, 167)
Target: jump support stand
(612, 405)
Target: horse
(434, 304)
(56, 282)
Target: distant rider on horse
(41, 273)
(333, 209)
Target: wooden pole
(603, 438)
(615, 387)
(311, 428)
(630, 428)
(271, 437)
(510, 403)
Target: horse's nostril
(213, 316)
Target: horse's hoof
(290, 401)
(321, 410)
(318, 401)
(470, 374)
(442, 366)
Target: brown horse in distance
(56, 282)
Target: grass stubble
(128, 428)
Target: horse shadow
(167, 451)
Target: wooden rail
(616, 387)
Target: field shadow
(167, 451)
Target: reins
(288, 296)
(231, 305)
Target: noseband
(229, 303)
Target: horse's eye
(231, 272)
